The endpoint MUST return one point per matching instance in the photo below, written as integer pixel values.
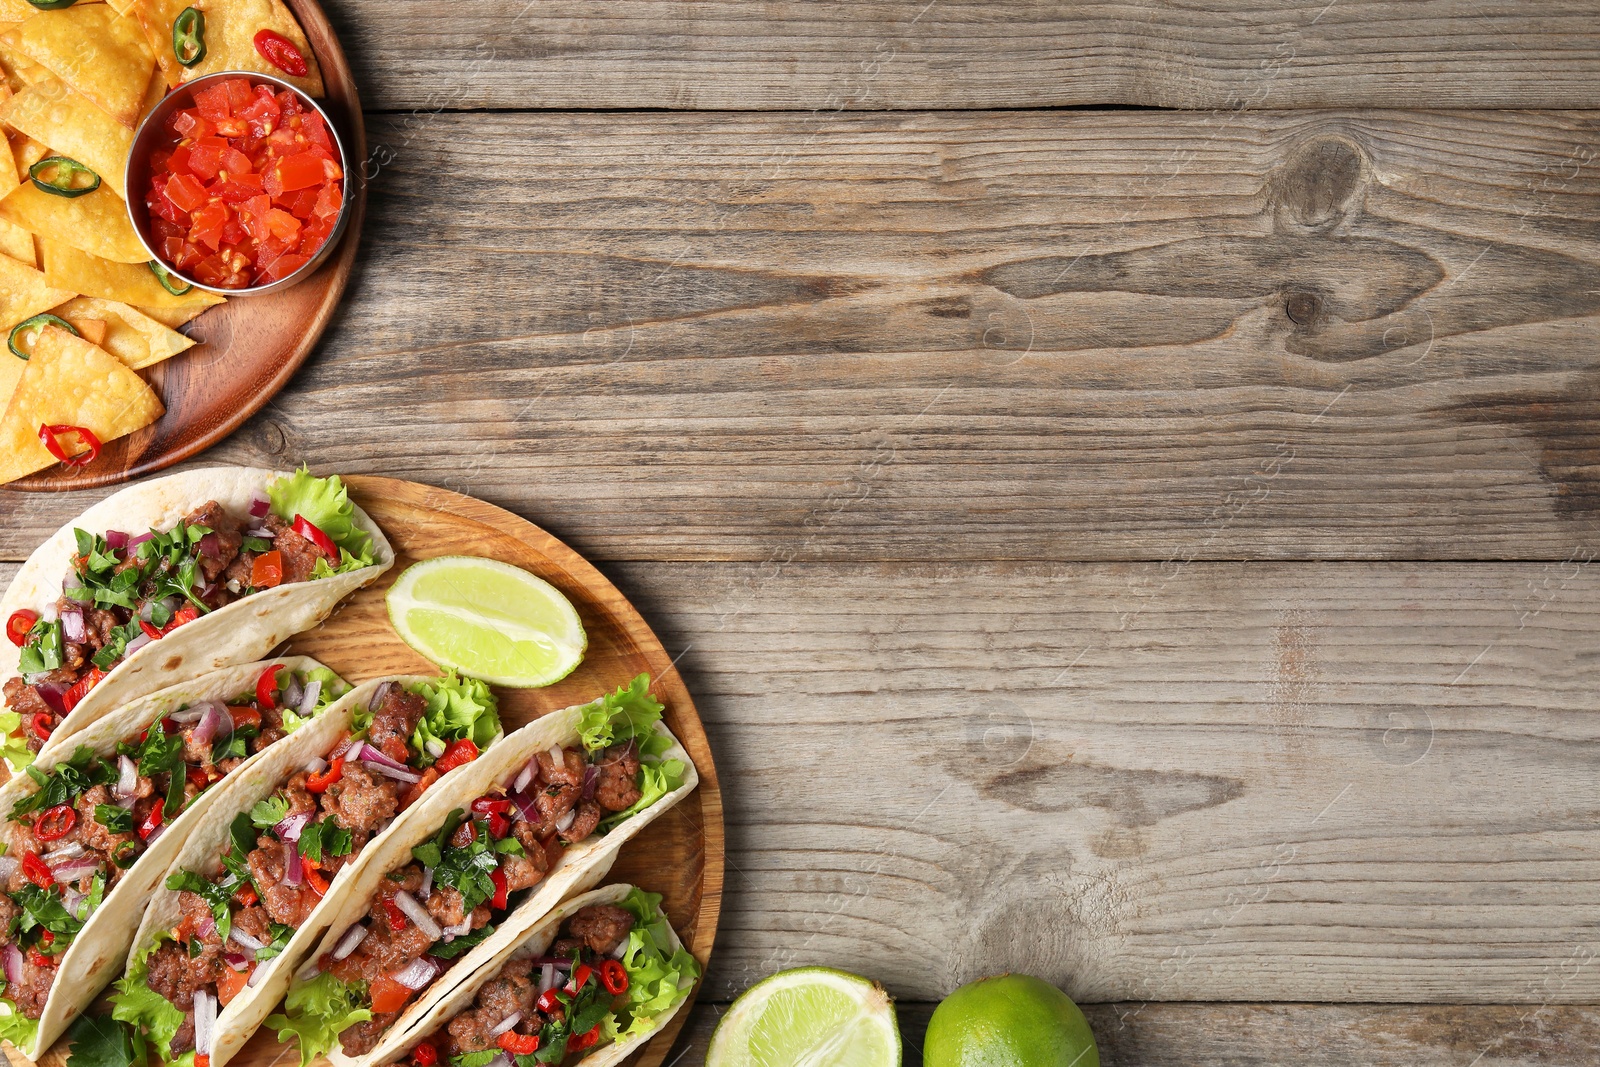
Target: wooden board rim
(341, 99)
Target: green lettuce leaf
(628, 714)
(13, 746)
(136, 1003)
(326, 505)
(658, 977)
(457, 708)
(316, 1012)
(16, 1027)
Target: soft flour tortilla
(422, 821)
(96, 956)
(202, 853)
(524, 943)
(245, 630)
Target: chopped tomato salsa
(249, 188)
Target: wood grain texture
(1025, 335)
(251, 346)
(733, 55)
(1307, 1035)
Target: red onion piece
(418, 973)
(289, 829)
(292, 692)
(135, 542)
(547, 978)
(189, 714)
(591, 779)
(621, 950)
(128, 776)
(502, 1060)
(317, 766)
(347, 944)
(52, 693)
(210, 546)
(136, 644)
(378, 694)
(524, 776)
(308, 972)
(72, 624)
(73, 870)
(259, 506)
(116, 539)
(214, 718)
(308, 699)
(258, 974)
(261, 532)
(372, 754)
(388, 771)
(419, 915)
(526, 807)
(205, 1020)
(427, 884)
(11, 959)
(62, 854)
(8, 867)
(505, 1024)
(207, 926)
(70, 899)
(251, 943)
(566, 820)
(237, 960)
(293, 873)
(155, 835)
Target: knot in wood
(1319, 184)
(1303, 308)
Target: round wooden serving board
(250, 346)
(680, 855)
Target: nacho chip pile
(75, 81)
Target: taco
(90, 832)
(247, 895)
(593, 979)
(553, 801)
(231, 562)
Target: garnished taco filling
(123, 592)
(92, 817)
(430, 911)
(284, 852)
(612, 969)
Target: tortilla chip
(17, 243)
(96, 222)
(27, 152)
(124, 7)
(95, 51)
(55, 115)
(136, 339)
(24, 293)
(172, 318)
(231, 28)
(69, 381)
(10, 177)
(154, 93)
(16, 11)
(127, 283)
(20, 71)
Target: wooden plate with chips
(249, 347)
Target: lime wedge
(813, 1016)
(489, 620)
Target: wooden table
(1123, 479)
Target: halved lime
(814, 1016)
(489, 620)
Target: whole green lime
(1010, 1020)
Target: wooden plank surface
(1307, 1035)
(1331, 782)
(736, 55)
(1033, 335)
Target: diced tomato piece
(329, 201)
(240, 93)
(233, 234)
(208, 224)
(283, 225)
(388, 995)
(290, 103)
(301, 204)
(178, 162)
(299, 171)
(230, 983)
(213, 101)
(236, 162)
(205, 157)
(316, 130)
(238, 188)
(160, 205)
(186, 192)
(283, 266)
(232, 127)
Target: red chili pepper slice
(548, 1002)
(47, 938)
(498, 877)
(44, 724)
(305, 528)
(456, 754)
(580, 975)
(151, 821)
(266, 685)
(579, 1042)
(519, 1044)
(37, 872)
(614, 976)
(55, 822)
(425, 1055)
(318, 783)
(278, 50)
(319, 884)
(397, 918)
(150, 630)
(19, 624)
(80, 688)
(484, 805)
(51, 436)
